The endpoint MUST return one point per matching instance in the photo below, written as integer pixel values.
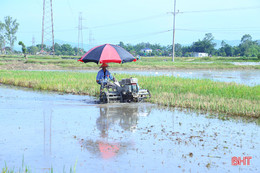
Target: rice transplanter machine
(126, 90)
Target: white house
(200, 54)
(147, 50)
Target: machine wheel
(104, 97)
(149, 93)
(139, 99)
(121, 97)
(107, 98)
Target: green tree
(23, 48)
(205, 45)
(57, 46)
(252, 51)
(33, 50)
(178, 50)
(2, 39)
(121, 44)
(246, 38)
(237, 51)
(11, 27)
(225, 50)
(248, 47)
(198, 46)
(66, 49)
(208, 43)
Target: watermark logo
(237, 160)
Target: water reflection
(246, 77)
(115, 125)
(207, 75)
(125, 116)
(47, 121)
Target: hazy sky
(135, 21)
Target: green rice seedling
(143, 63)
(198, 94)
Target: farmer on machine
(104, 74)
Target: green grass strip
(206, 95)
(143, 63)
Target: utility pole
(43, 26)
(91, 38)
(47, 25)
(80, 35)
(33, 41)
(173, 46)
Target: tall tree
(208, 43)
(246, 38)
(2, 39)
(248, 47)
(205, 45)
(11, 27)
(225, 50)
(121, 44)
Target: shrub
(258, 56)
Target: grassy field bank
(206, 95)
(67, 62)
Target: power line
(130, 21)
(71, 11)
(144, 35)
(138, 36)
(246, 29)
(173, 45)
(148, 18)
(225, 9)
(216, 30)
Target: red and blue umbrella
(107, 53)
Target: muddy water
(59, 131)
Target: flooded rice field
(235, 63)
(62, 131)
(245, 77)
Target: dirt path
(20, 65)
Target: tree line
(63, 49)
(247, 47)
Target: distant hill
(86, 47)
(229, 42)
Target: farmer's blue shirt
(102, 75)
